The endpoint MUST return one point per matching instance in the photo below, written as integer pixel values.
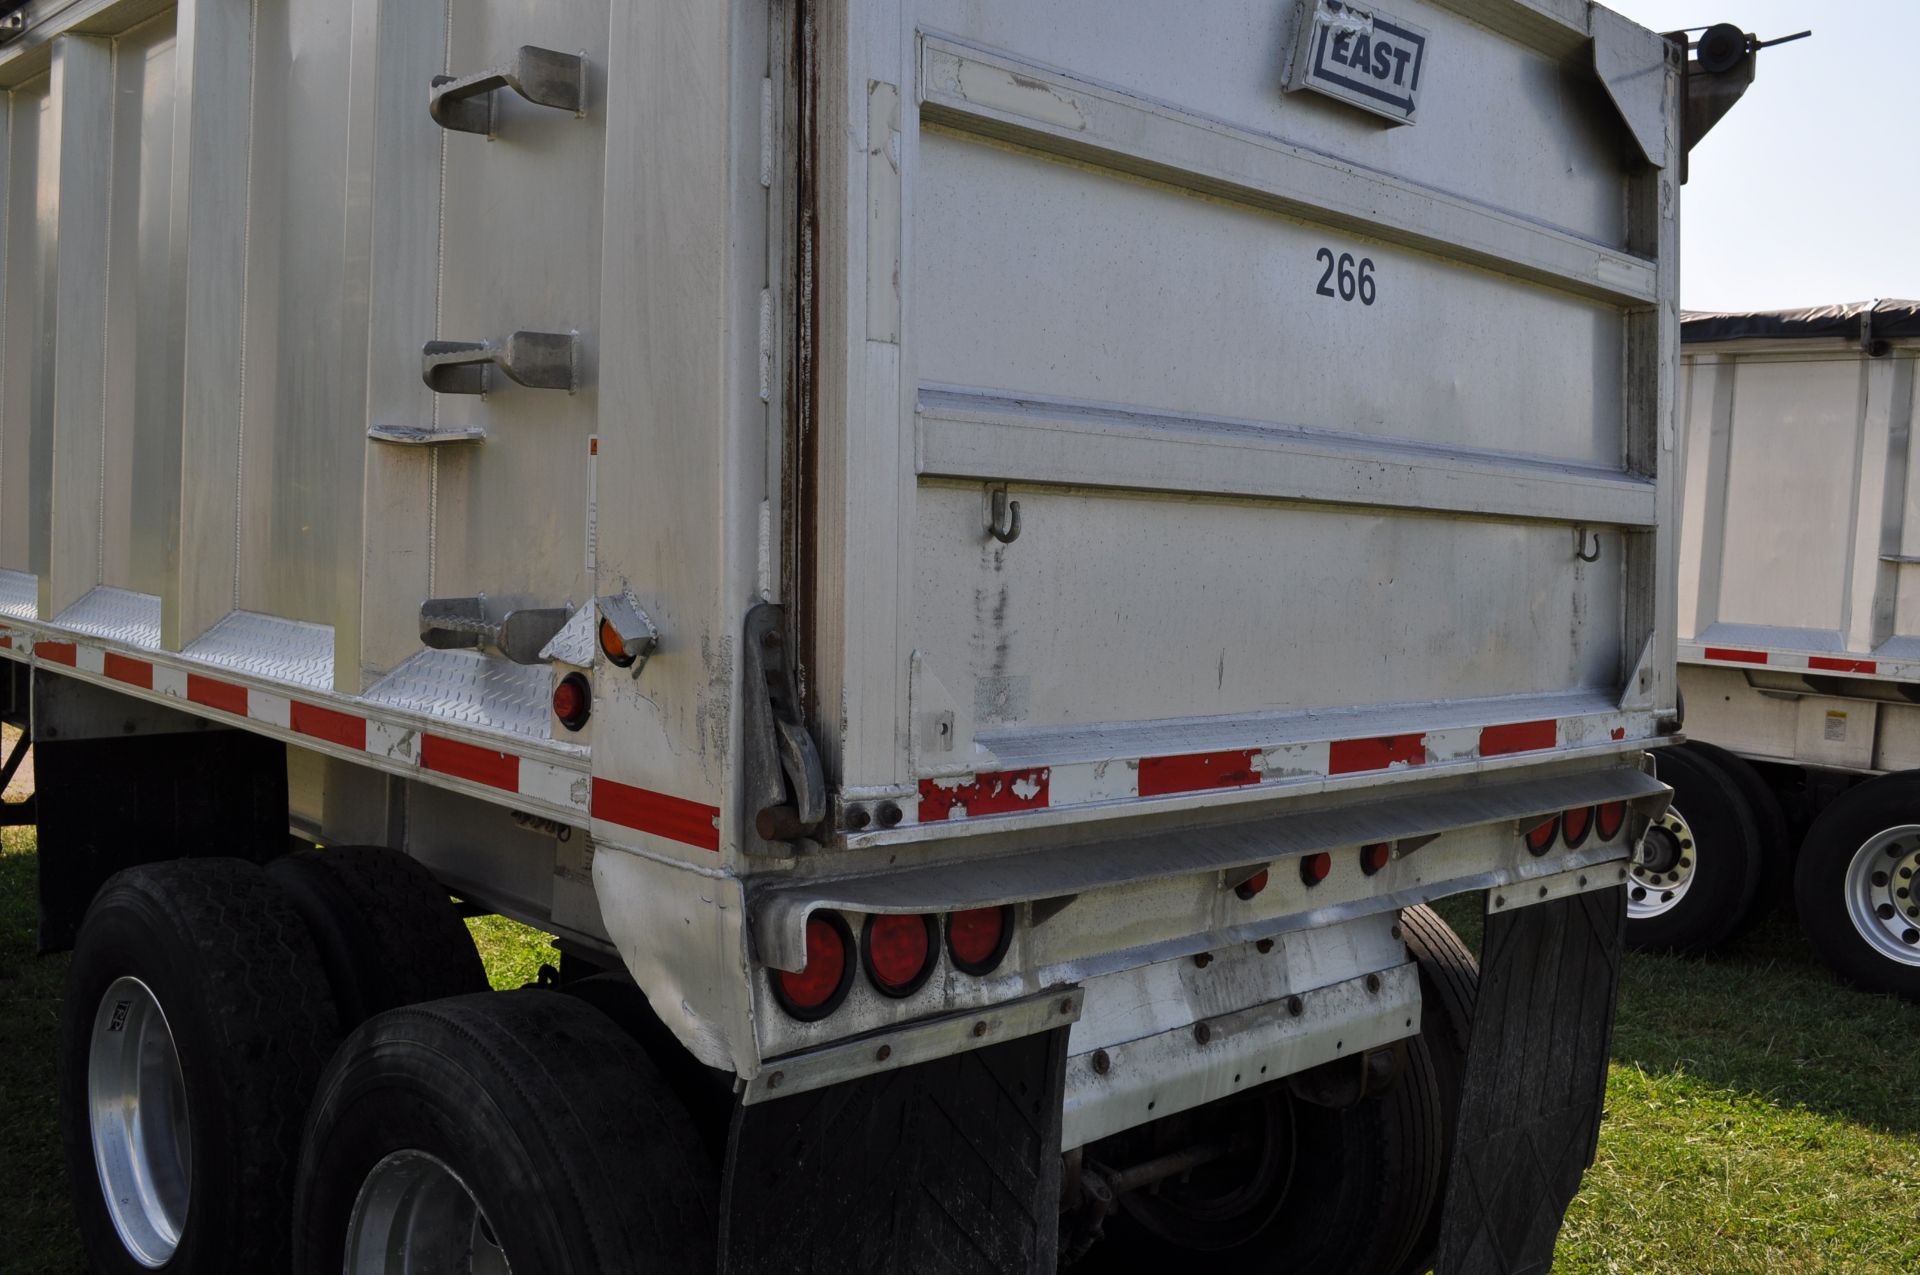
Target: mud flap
(1536, 1075)
(950, 1166)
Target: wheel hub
(1663, 867)
(137, 1111)
(1881, 886)
(415, 1216)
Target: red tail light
(1610, 818)
(977, 939)
(817, 989)
(1540, 840)
(1574, 826)
(1315, 867)
(573, 701)
(898, 952)
(1252, 885)
(1375, 857)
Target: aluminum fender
(682, 933)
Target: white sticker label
(1836, 727)
(593, 504)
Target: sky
(1808, 192)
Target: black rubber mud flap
(950, 1166)
(1535, 1082)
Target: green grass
(1760, 1118)
(513, 952)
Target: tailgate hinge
(785, 784)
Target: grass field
(1760, 1119)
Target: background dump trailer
(974, 561)
(1799, 669)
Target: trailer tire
(706, 1092)
(387, 932)
(1362, 1185)
(524, 1119)
(1861, 851)
(1770, 823)
(1449, 984)
(206, 970)
(1698, 872)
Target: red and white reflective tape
(569, 790)
(1799, 662)
(1280, 766)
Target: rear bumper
(1153, 851)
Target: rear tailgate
(1209, 438)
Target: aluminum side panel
(1800, 509)
(26, 361)
(520, 251)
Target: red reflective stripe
(1832, 665)
(1737, 657)
(133, 672)
(58, 652)
(215, 693)
(997, 792)
(1518, 737)
(1346, 756)
(464, 761)
(674, 818)
(1196, 772)
(325, 723)
(7, 642)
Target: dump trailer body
(1798, 606)
(1800, 651)
(1130, 490)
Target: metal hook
(1580, 545)
(1004, 525)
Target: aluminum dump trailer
(1800, 649)
(975, 563)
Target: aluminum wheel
(137, 1108)
(1880, 887)
(1663, 867)
(413, 1216)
